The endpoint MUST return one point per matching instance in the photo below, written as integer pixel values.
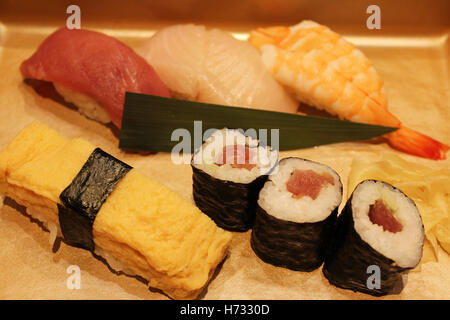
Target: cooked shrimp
(328, 72)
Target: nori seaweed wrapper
(231, 205)
(76, 228)
(349, 256)
(83, 198)
(293, 245)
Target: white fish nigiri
(212, 66)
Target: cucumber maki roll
(296, 211)
(379, 237)
(229, 169)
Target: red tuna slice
(307, 183)
(381, 215)
(96, 65)
(237, 156)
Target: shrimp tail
(418, 144)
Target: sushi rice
(55, 233)
(53, 228)
(85, 104)
(277, 201)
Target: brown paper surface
(416, 74)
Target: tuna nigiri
(330, 73)
(93, 71)
(212, 66)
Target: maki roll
(229, 169)
(296, 211)
(379, 236)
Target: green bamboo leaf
(149, 121)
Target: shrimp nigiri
(328, 72)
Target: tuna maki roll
(296, 211)
(379, 236)
(229, 169)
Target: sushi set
(365, 218)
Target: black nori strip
(76, 228)
(349, 257)
(293, 245)
(86, 194)
(231, 205)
